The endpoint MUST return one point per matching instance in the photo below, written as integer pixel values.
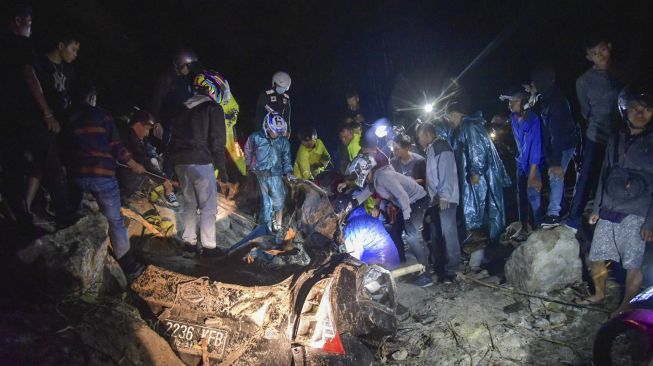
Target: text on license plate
(187, 335)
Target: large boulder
(72, 259)
(547, 261)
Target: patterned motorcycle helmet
(640, 92)
(273, 122)
(360, 168)
(212, 84)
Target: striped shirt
(95, 144)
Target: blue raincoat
(269, 160)
(476, 155)
(367, 239)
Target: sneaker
(551, 221)
(520, 235)
(134, 271)
(448, 279)
(131, 266)
(573, 229)
(212, 253)
(171, 200)
(423, 280)
(189, 251)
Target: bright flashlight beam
(500, 38)
(428, 108)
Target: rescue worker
(312, 156)
(350, 137)
(403, 192)
(267, 154)
(481, 174)
(276, 100)
(197, 150)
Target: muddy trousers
(273, 194)
(199, 192)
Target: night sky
(387, 50)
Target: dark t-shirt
(15, 97)
(56, 81)
(415, 168)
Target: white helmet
(282, 79)
(361, 167)
(273, 122)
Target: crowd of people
(55, 135)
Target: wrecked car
(332, 311)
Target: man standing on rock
(95, 148)
(623, 206)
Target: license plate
(188, 337)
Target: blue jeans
(528, 196)
(557, 184)
(413, 228)
(199, 191)
(586, 180)
(106, 192)
(273, 194)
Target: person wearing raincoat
(231, 109)
(481, 172)
(267, 154)
(312, 156)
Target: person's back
(557, 122)
(95, 143)
(388, 182)
(198, 134)
(197, 150)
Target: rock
(476, 258)
(547, 261)
(115, 332)
(482, 275)
(557, 318)
(400, 355)
(71, 259)
(513, 308)
(541, 323)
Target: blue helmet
(273, 122)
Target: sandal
(587, 302)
